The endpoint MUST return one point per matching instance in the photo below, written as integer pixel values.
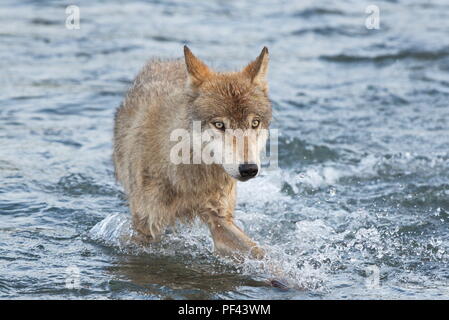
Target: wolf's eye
(219, 125)
(255, 123)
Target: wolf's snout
(248, 170)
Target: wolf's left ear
(258, 69)
(197, 70)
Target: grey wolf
(168, 95)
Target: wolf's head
(235, 110)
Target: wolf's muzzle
(248, 170)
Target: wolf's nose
(248, 170)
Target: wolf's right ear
(258, 69)
(197, 70)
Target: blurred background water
(363, 184)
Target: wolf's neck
(201, 178)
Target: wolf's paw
(257, 253)
(141, 238)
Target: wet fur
(168, 95)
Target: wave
(415, 54)
(193, 243)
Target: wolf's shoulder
(162, 70)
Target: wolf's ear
(198, 71)
(258, 69)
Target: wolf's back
(145, 98)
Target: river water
(358, 208)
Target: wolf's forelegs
(230, 240)
(141, 233)
(143, 218)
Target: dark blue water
(359, 207)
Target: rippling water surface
(363, 183)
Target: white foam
(194, 241)
(114, 230)
(266, 187)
